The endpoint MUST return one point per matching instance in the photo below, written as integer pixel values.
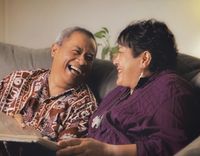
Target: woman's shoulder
(117, 91)
(114, 94)
(169, 76)
(169, 80)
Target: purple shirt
(156, 116)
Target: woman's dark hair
(153, 36)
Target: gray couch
(103, 74)
(12, 57)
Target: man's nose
(81, 60)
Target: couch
(12, 57)
(103, 75)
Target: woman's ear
(146, 59)
(54, 49)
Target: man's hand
(19, 119)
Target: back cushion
(16, 58)
(189, 68)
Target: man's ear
(146, 59)
(54, 49)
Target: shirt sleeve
(169, 129)
(76, 122)
(4, 91)
(10, 89)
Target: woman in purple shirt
(150, 112)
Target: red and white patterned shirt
(57, 117)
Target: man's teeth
(75, 69)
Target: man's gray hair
(68, 31)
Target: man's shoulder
(27, 73)
(21, 75)
(84, 88)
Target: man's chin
(75, 83)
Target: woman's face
(129, 68)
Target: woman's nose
(115, 60)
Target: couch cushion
(16, 58)
(103, 75)
(102, 78)
(12, 58)
(189, 68)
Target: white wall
(35, 23)
(2, 22)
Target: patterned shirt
(57, 117)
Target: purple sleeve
(172, 119)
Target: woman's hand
(82, 147)
(19, 119)
(92, 147)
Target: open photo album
(11, 131)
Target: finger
(19, 119)
(45, 137)
(81, 154)
(70, 142)
(71, 150)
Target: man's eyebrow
(90, 52)
(79, 48)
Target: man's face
(73, 59)
(128, 67)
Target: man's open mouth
(74, 70)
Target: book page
(9, 126)
(190, 150)
(11, 130)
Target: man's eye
(89, 57)
(76, 51)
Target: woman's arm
(90, 147)
(125, 150)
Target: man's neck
(56, 88)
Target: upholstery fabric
(103, 75)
